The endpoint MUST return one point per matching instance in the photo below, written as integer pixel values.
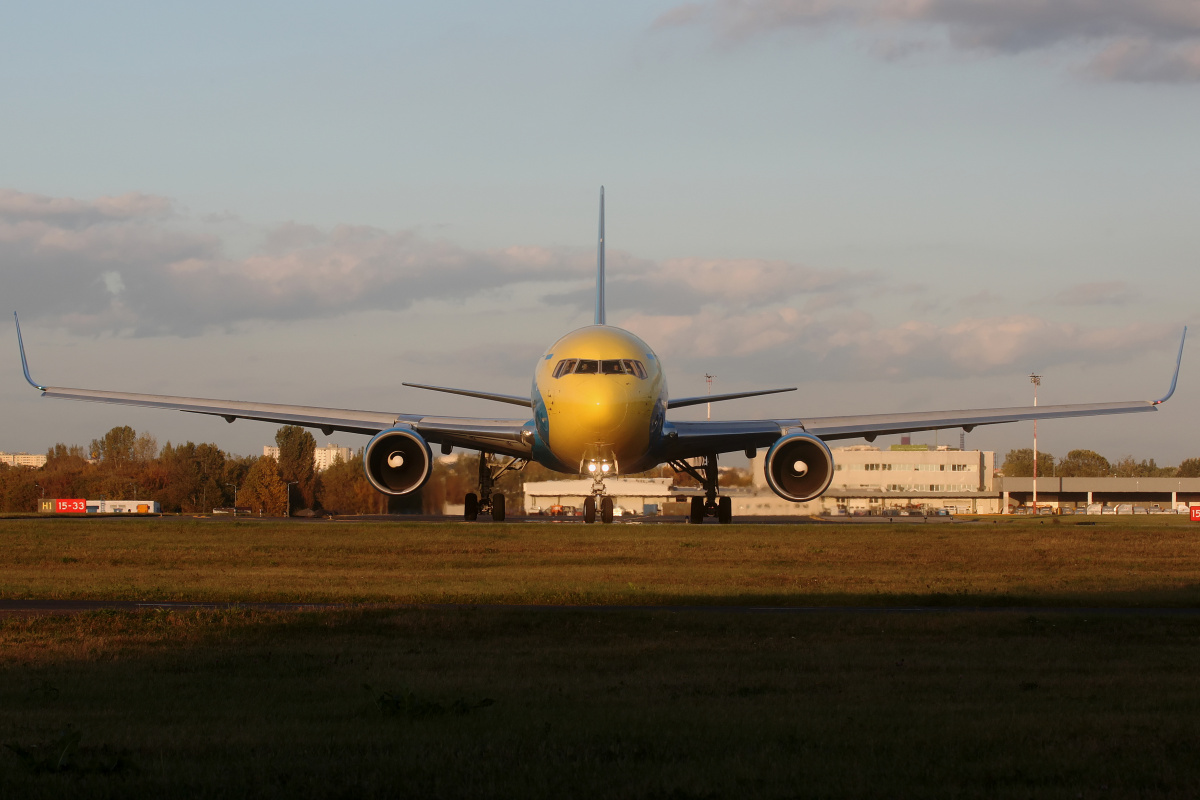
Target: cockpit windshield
(615, 366)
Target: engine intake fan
(397, 461)
(799, 467)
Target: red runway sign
(70, 506)
(1195, 513)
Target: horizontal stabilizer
(716, 398)
(499, 398)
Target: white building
(23, 459)
(323, 457)
(633, 494)
(869, 479)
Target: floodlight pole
(234, 485)
(289, 500)
(1036, 380)
(708, 379)
(43, 488)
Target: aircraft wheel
(697, 515)
(471, 507)
(497, 507)
(725, 510)
(589, 510)
(606, 510)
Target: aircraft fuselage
(599, 398)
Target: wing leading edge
(693, 439)
(512, 437)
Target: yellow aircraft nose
(601, 413)
(600, 416)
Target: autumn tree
(62, 457)
(1189, 468)
(1019, 464)
(296, 448)
(344, 488)
(145, 448)
(263, 490)
(1083, 464)
(115, 448)
(188, 477)
(1128, 467)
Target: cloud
(685, 284)
(1144, 41)
(985, 297)
(853, 346)
(1102, 293)
(137, 268)
(127, 265)
(68, 213)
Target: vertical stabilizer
(600, 267)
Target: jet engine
(799, 467)
(397, 461)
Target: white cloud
(1100, 293)
(1148, 40)
(157, 276)
(148, 275)
(66, 212)
(852, 345)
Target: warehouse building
(639, 495)
(867, 479)
(1099, 494)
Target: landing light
(605, 468)
(591, 467)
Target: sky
(892, 205)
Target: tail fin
(600, 267)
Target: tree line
(196, 478)
(192, 478)
(1090, 464)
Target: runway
(21, 608)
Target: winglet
(600, 267)
(1175, 377)
(24, 363)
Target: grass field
(1118, 561)
(502, 702)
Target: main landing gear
(486, 501)
(710, 505)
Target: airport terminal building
(867, 479)
(903, 478)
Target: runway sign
(1195, 513)
(70, 506)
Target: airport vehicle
(598, 407)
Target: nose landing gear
(710, 505)
(486, 501)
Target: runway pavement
(10, 608)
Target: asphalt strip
(10, 608)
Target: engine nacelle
(397, 461)
(799, 467)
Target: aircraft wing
(505, 436)
(695, 439)
(512, 437)
(870, 426)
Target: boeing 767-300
(598, 407)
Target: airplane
(599, 406)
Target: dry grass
(517, 703)
(509, 702)
(1131, 561)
